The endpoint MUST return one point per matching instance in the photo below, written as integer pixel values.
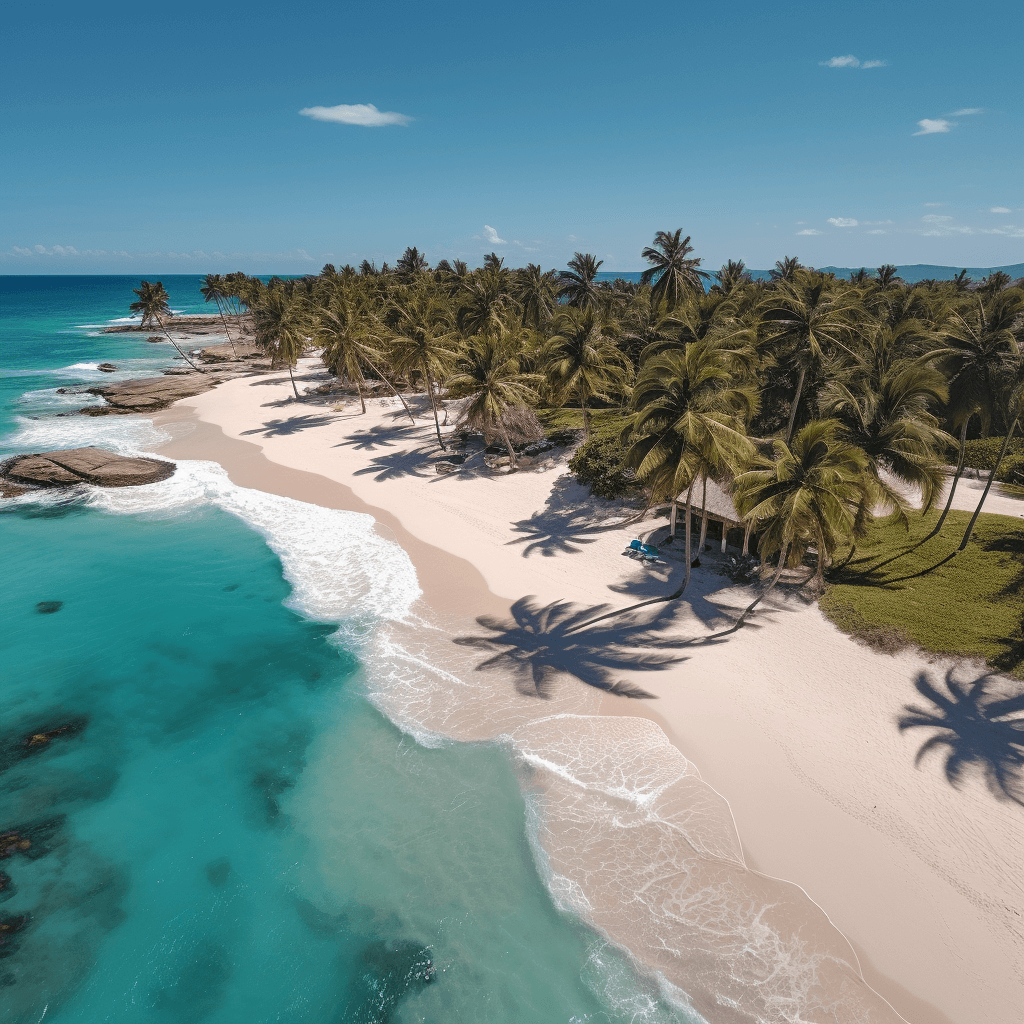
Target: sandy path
(793, 723)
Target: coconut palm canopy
(856, 389)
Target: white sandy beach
(792, 726)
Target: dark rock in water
(10, 925)
(49, 607)
(33, 840)
(231, 586)
(107, 367)
(6, 886)
(217, 871)
(154, 338)
(84, 465)
(389, 969)
(23, 742)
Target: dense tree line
(813, 400)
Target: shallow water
(222, 826)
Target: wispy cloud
(876, 231)
(999, 209)
(809, 231)
(939, 225)
(366, 115)
(849, 61)
(490, 235)
(967, 111)
(843, 222)
(934, 126)
(1009, 230)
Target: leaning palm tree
(154, 304)
(582, 362)
(974, 348)
(349, 338)
(424, 339)
(671, 273)
(281, 330)
(578, 286)
(785, 269)
(213, 290)
(490, 374)
(1012, 394)
(808, 493)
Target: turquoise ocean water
(222, 827)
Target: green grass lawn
(603, 422)
(971, 605)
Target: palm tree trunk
(988, 486)
(224, 321)
(362, 400)
(672, 519)
(175, 344)
(433, 405)
(704, 519)
(746, 538)
(956, 478)
(796, 402)
(292, 375)
(760, 597)
(508, 445)
(394, 391)
(689, 558)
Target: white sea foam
(340, 569)
(126, 435)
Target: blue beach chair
(646, 551)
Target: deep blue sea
(217, 825)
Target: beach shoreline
(907, 919)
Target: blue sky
(168, 138)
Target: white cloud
(999, 209)
(366, 115)
(876, 231)
(935, 218)
(967, 111)
(843, 222)
(940, 225)
(934, 126)
(490, 235)
(872, 223)
(18, 251)
(849, 61)
(809, 231)
(1010, 230)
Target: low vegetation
(973, 605)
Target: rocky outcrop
(208, 324)
(84, 465)
(107, 367)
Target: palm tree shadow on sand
(536, 645)
(981, 728)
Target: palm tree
(213, 289)
(689, 424)
(490, 374)
(976, 344)
(733, 274)
(885, 403)
(535, 292)
(485, 303)
(888, 275)
(578, 287)
(809, 493)
(961, 282)
(672, 274)
(1012, 389)
(582, 362)
(785, 269)
(347, 336)
(280, 330)
(154, 304)
(811, 321)
(411, 263)
(424, 340)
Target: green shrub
(1012, 469)
(601, 464)
(982, 452)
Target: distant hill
(911, 274)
